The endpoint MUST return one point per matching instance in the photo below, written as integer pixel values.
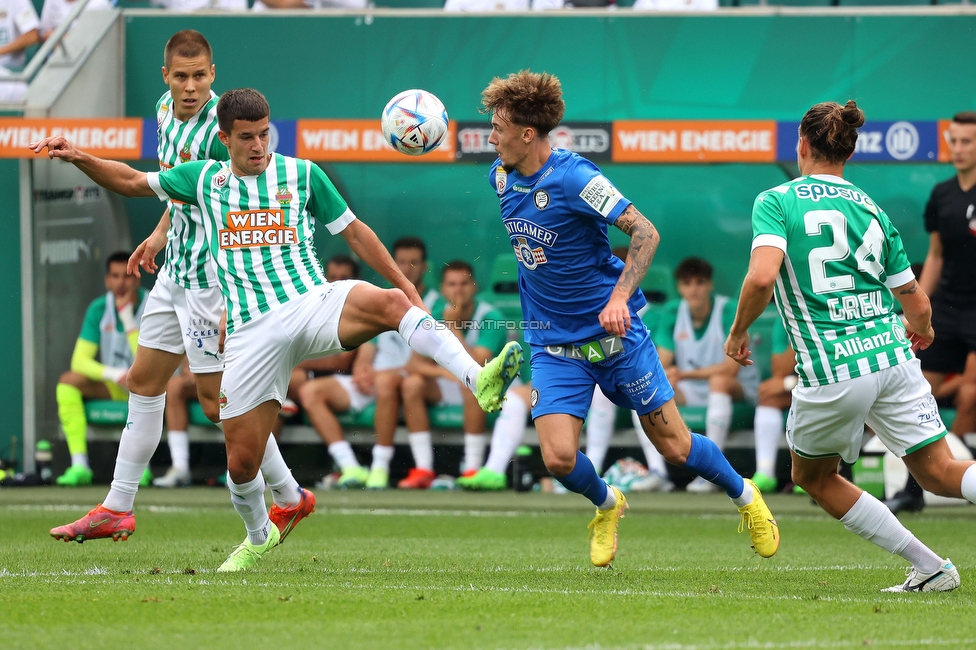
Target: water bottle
(42, 458)
(522, 477)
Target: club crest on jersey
(219, 180)
(283, 196)
(541, 199)
(501, 180)
(185, 153)
(528, 256)
(222, 400)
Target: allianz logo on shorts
(594, 351)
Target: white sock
(140, 437)
(610, 501)
(382, 455)
(968, 486)
(872, 520)
(769, 429)
(435, 341)
(508, 433)
(248, 500)
(655, 461)
(179, 449)
(80, 459)
(745, 498)
(343, 454)
(474, 450)
(718, 418)
(284, 487)
(422, 447)
(599, 429)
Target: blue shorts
(632, 380)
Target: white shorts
(357, 400)
(259, 355)
(450, 392)
(896, 403)
(179, 320)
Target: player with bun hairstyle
(833, 260)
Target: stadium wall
(613, 66)
(11, 406)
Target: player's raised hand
(615, 317)
(57, 147)
(737, 348)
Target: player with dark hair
(183, 313)
(556, 207)
(257, 213)
(690, 337)
(833, 260)
(101, 361)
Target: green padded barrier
(358, 419)
(743, 415)
(106, 412)
(452, 417)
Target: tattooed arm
(918, 314)
(644, 239)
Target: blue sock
(707, 460)
(584, 480)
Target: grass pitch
(458, 570)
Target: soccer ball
(414, 122)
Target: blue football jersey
(557, 220)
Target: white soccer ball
(414, 122)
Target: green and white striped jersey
(186, 260)
(259, 228)
(843, 256)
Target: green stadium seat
(196, 415)
(509, 304)
(658, 285)
(504, 274)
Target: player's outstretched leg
(433, 340)
(100, 523)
